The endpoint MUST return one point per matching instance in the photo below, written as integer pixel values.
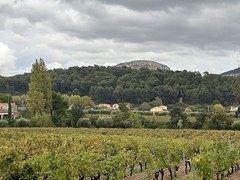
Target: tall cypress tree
(39, 96)
(9, 107)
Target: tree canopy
(39, 96)
(122, 84)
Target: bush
(93, 119)
(84, 122)
(43, 120)
(11, 122)
(163, 113)
(104, 122)
(236, 125)
(144, 113)
(3, 123)
(100, 111)
(22, 122)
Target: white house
(158, 109)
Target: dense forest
(122, 84)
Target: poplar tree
(39, 96)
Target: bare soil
(180, 176)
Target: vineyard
(117, 153)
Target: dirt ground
(180, 176)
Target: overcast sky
(188, 34)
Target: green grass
(158, 118)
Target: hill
(124, 84)
(234, 72)
(138, 64)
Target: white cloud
(196, 35)
(54, 65)
(7, 59)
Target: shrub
(93, 119)
(84, 122)
(11, 122)
(3, 123)
(22, 122)
(99, 111)
(43, 120)
(236, 125)
(163, 113)
(104, 122)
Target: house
(105, 106)
(233, 108)
(115, 107)
(158, 109)
(4, 110)
(108, 106)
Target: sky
(188, 35)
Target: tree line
(122, 84)
(45, 107)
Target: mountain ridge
(234, 72)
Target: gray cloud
(193, 35)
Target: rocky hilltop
(138, 64)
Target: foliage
(41, 120)
(236, 125)
(22, 122)
(19, 100)
(104, 122)
(156, 102)
(9, 107)
(144, 107)
(178, 118)
(122, 118)
(93, 119)
(39, 96)
(219, 118)
(59, 108)
(116, 84)
(11, 122)
(3, 98)
(3, 123)
(84, 122)
(76, 113)
(201, 119)
(67, 153)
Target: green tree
(219, 118)
(76, 112)
(39, 96)
(201, 119)
(144, 107)
(178, 116)
(156, 102)
(59, 108)
(3, 98)
(122, 118)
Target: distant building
(115, 107)
(233, 108)
(110, 107)
(158, 109)
(105, 106)
(4, 110)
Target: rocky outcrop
(138, 64)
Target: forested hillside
(122, 84)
